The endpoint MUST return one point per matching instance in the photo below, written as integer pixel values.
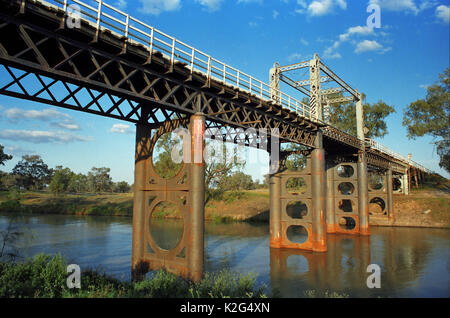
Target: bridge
(97, 59)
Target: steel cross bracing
(115, 65)
(89, 78)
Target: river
(414, 262)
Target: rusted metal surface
(363, 192)
(185, 191)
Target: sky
(394, 63)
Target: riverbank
(428, 206)
(45, 276)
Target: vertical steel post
(316, 96)
(197, 214)
(142, 154)
(319, 192)
(275, 207)
(390, 196)
(331, 220)
(363, 188)
(405, 183)
(363, 194)
(275, 83)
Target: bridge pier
(300, 211)
(185, 191)
(363, 192)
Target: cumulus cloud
(38, 136)
(54, 116)
(157, 6)
(349, 35)
(121, 129)
(320, 7)
(18, 151)
(211, 5)
(368, 46)
(443, 13)
(44, 115)
(407, 6)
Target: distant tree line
(31, 173)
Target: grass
(45, 276)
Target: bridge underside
(104, 75)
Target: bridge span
(91, 57)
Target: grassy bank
(45, 276)
(428, 206)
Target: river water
(414, 262)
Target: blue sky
(394, 63)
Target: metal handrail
(134, 30)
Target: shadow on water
(414, 262)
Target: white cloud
(56, 118)
(120, 129)
(320, 7)
(294, 57)
(66, 125)
(157, 6)
(275, 14)
(211, 5)
(120, 4)
(369, 46)
(44, 115)
(18, 151)
(407, 6)
(37, 136)
(250, 1)
(443, 13)
(304, 42)
(356, 30)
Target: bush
(45, 276)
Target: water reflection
(414, 262)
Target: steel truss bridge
(116, 66)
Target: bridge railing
(383, 149)
(104, 16)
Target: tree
(78, 183)
(236, 182)
(122, 187)
(3, 156)
(343, 116)
(431, 116)
(33, 173)
(60, 180)
(100, 180)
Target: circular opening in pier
(347, 206)
(296, 186)
(346, 188)
(167, 153)
(377, 206)
(376, 182)
(345, 171)
(297, 209)
(166, 235)
(347, 223)
(295, 162)
(297, 234)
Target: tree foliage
(33, 173)
(343, 116)
(431, 116)
(3, 156)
